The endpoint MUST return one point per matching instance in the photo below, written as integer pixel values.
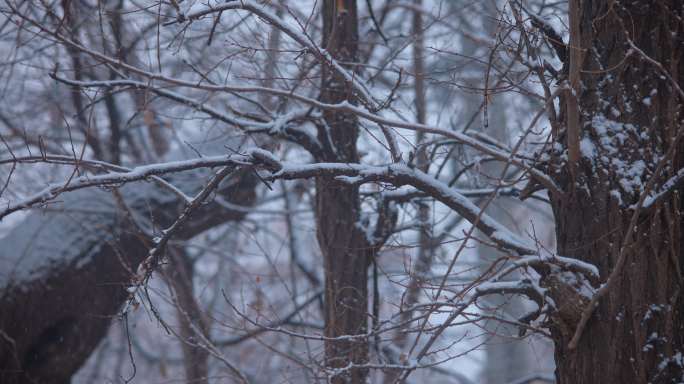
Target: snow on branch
(155, 254)
(361, 89)
(281, 126)
(395, 174)
(372, 116)
(546, 259)
(400, 175)
(144, 172)
(369, 114)
(94, 165)
(670, 185)
(525, 287)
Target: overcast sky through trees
(341, 191)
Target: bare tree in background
(245, 191)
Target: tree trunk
(48, 328)
(193, 325)
(342, 240)
(629, 114)
(65, 276)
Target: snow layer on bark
(75, 226)
(71, 230)
(612, 150)
(64, 235)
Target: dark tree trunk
(51, 326)
(342, 240)
(630, 113)
(53, 317)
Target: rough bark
(50, 327)
(342, 240)
(51, 322)
(630, 111)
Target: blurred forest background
(145, 240)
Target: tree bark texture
(630, 111)
(342, 240)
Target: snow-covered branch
(369, 114)
(110, 179)
(399, 175)
(361, 89)
(395, 174)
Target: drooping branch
(50, 192)
(399, 175)
(396, 174)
